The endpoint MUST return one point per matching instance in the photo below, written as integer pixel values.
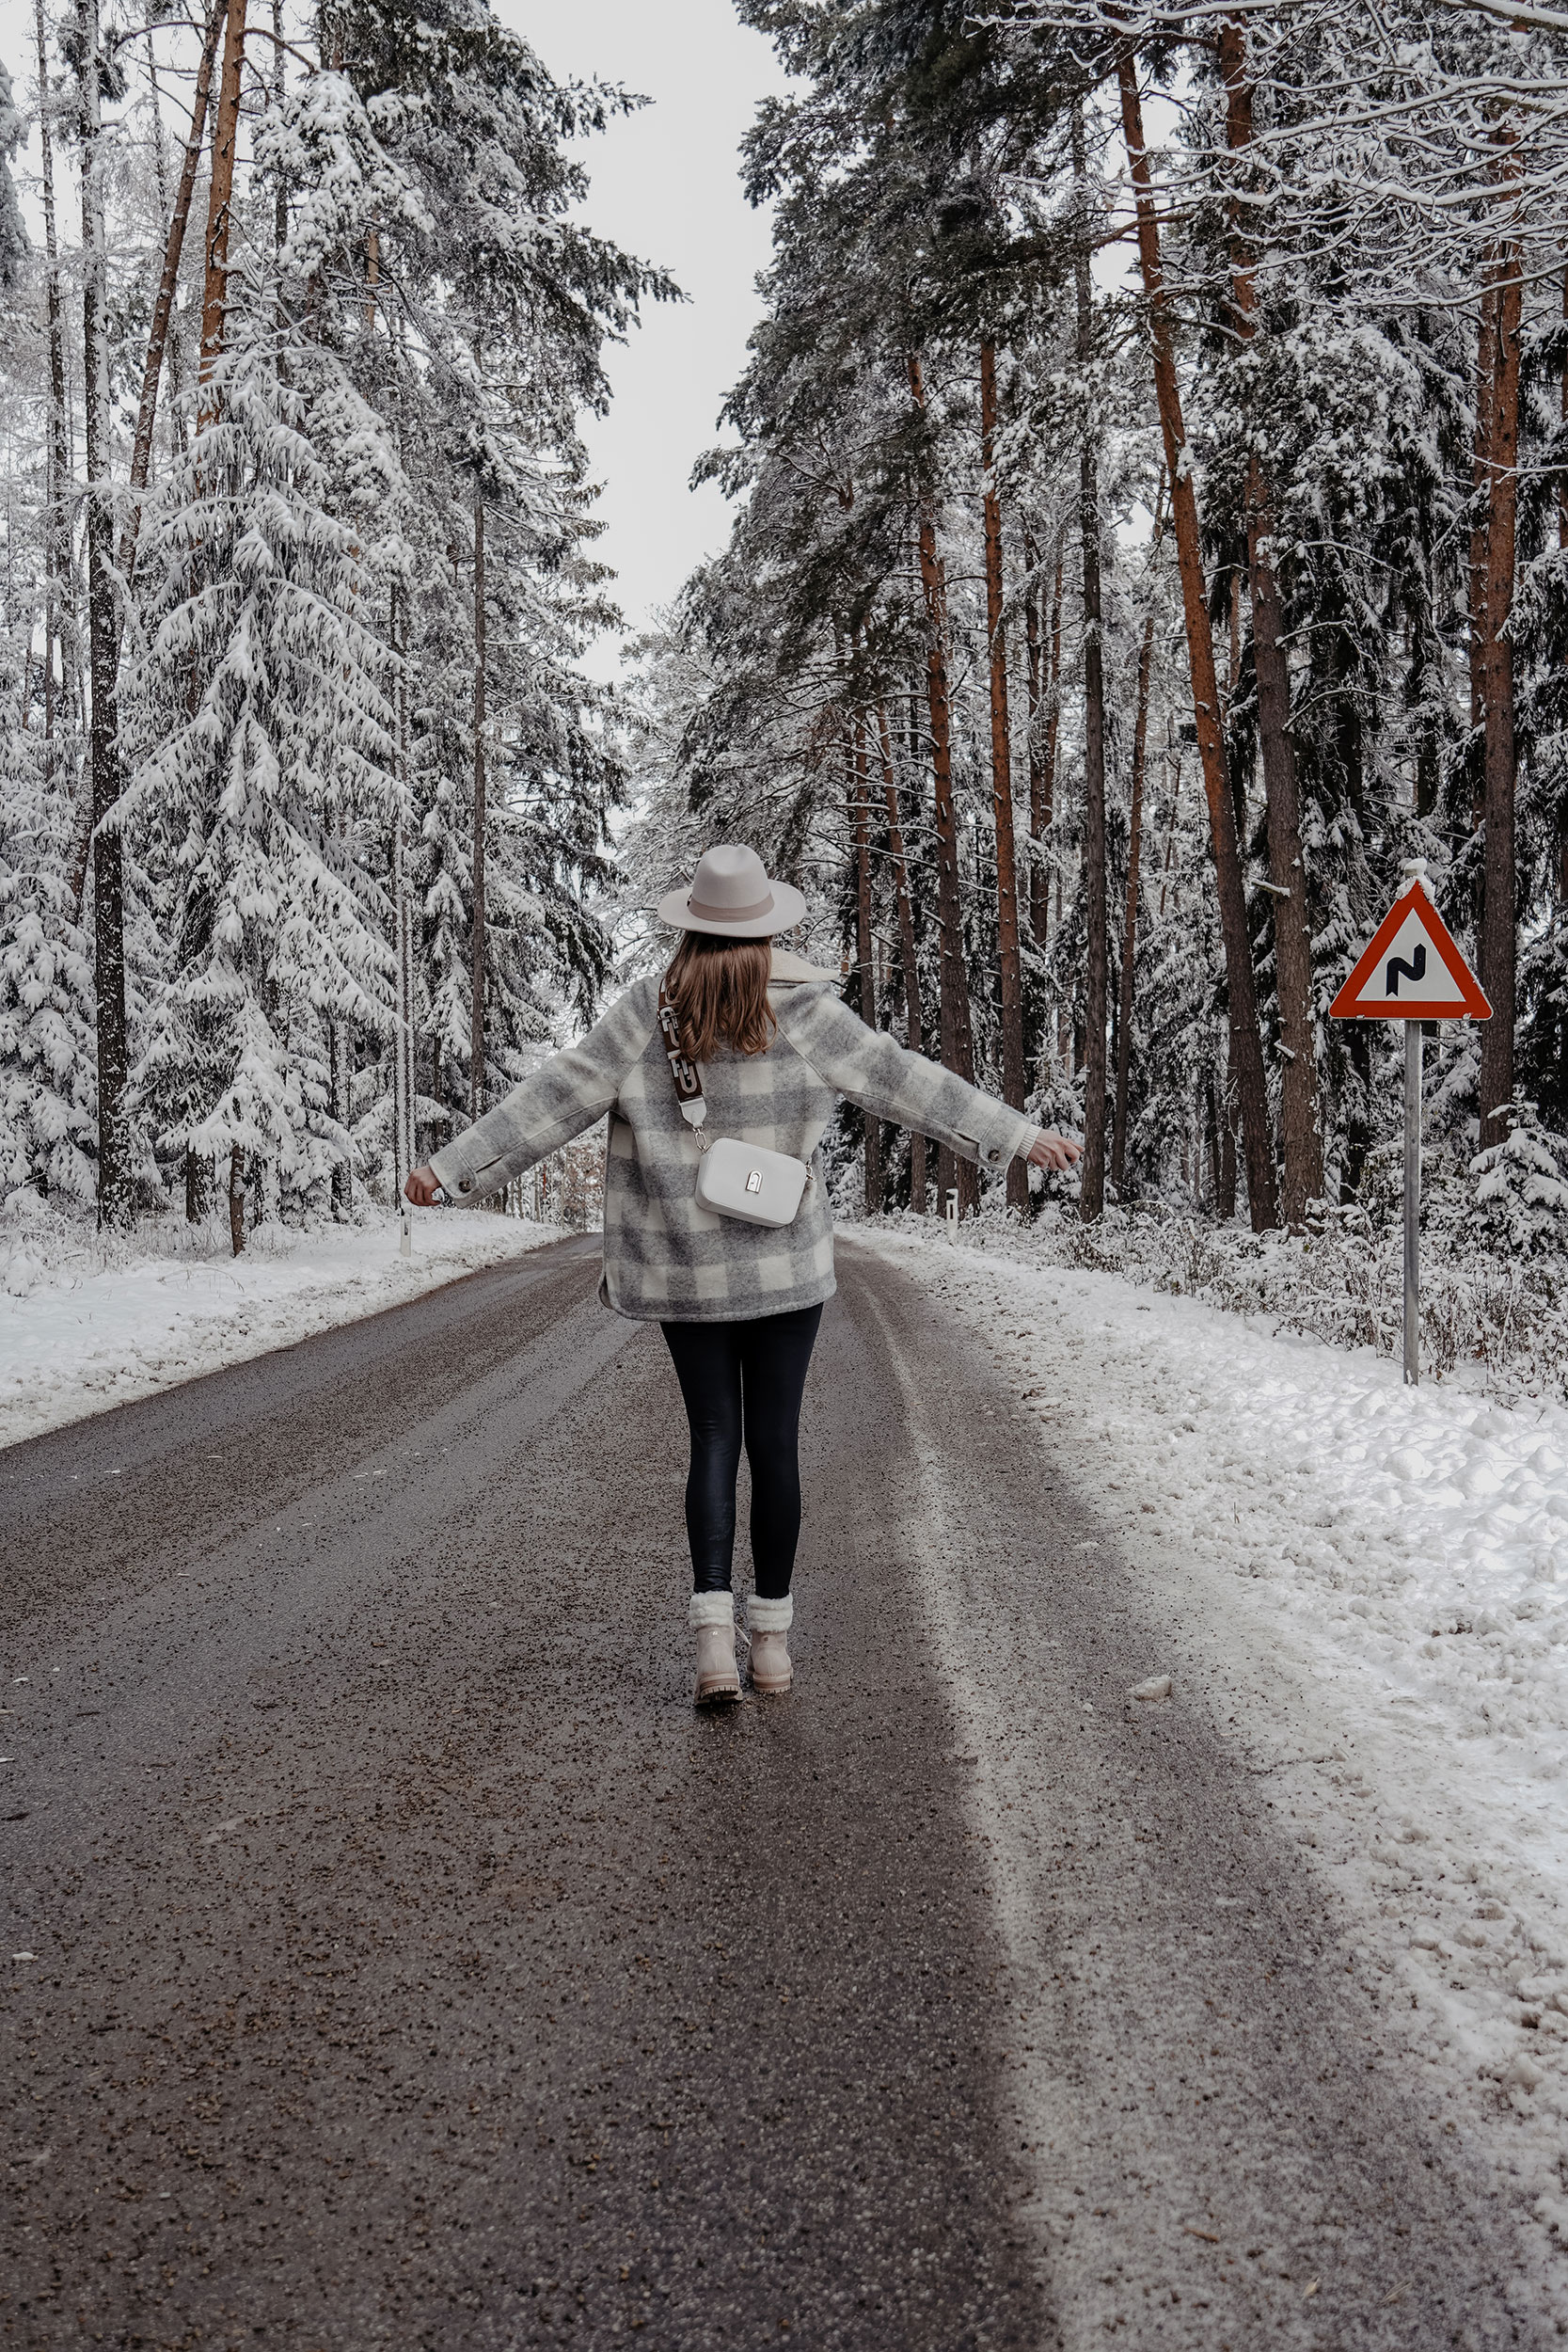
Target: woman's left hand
(1054, 1152)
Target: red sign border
(1471, 998)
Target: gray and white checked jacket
(665, 1257)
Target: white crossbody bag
(738, 1179)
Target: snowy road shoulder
(86, 1324)
(1367, 1587)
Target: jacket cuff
(1015, 1147)
(467, 1176)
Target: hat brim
(788, 908)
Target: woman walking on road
(720, 1081)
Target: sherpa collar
(791, 970)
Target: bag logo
(754, 1180)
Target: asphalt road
(411, 1969)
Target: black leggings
(735, 1376)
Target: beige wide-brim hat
(731, 896)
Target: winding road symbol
(1399, 970)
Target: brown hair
(719, 987)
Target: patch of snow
(1367, 1586)
(88, 1322)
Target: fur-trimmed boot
(768, 1623)
(712, 1618)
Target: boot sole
(773, 1689)
(716, 1693)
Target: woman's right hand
(422, 1187)
(1053, 1151)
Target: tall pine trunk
(220, 200)
(58, 632)
(1009, 956)
(1247, 1048)
(162, 307)
(108, 867)
(1034, 697)
(1129, 925)
(475, 1046)
(402, 1067)
(1498, 927)
(1562, 547)
(1481, 484)
(1301, 1137)
(867, 972)
(958, 1045)
(1091, 1196)
(1044, 675)
(915, 1031)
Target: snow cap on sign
(1412, 969)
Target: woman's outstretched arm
(871, 1070)
(557, 1102)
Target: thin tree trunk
(220, 195)
(958, 1046)
(162, 307)
(236, 1199)
(1498, 929)
(1226, 1198)
(1009, 956)
(108, 870)
(1562, 544)
(1170, 835)
(59, 629)
(866, 968)
(1045, 681)
(1301, 1138)
(1129, 926)
(279, 92)
(1481, 481)
(340, 1050)
(1091, 1196)
(476, 1068)
(914, 1032)
(1033, 681)
(402, 1068)
(1247, 1043)
(1358, 1133)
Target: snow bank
(1491, 1318)
(89, 1321)
(1366, 1586)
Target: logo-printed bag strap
(688, 1077)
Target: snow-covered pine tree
(48, 1115)
(265, 757)
(1520, 1202)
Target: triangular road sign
(1412, 971)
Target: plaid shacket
(665, 1257)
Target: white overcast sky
(665, 186)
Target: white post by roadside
(1412, 1203)
(952, 1211)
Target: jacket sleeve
(873, 1071)
(557, 1102)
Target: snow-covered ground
(85, 1324)
(1366, 1586)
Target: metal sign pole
(1412, 1203)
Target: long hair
(719, 987)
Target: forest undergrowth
(1488, 1322)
